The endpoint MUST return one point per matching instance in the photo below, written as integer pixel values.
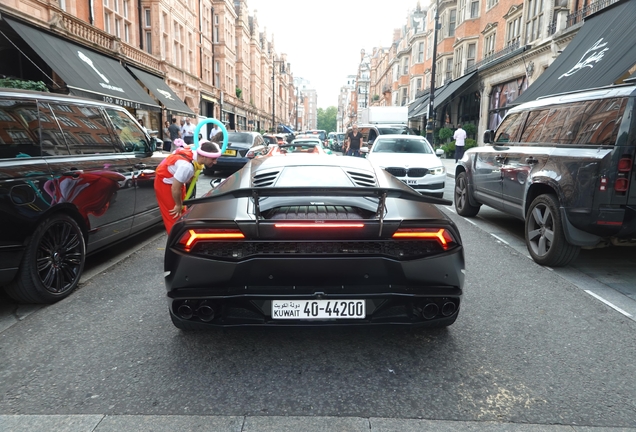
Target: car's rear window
(404, 130)
(313, 176)
(243, 138)
(401, 146)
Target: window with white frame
(178, 47)
(63, 5)
(147, 20)
(474, 9)
(147, 31)
(124, 8)
(118, 27)
(438, 73)
(452, 22)
(458, 59)
(489, 44)
(420, 52)
(429, 48)
(534, 23)
(405, 96)
(448, 74)
(405, 66)
(471, 53)
(217, 74)
(513, 31)
(108, 16)
(491, 3)
(461, 11)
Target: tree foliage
(23, 84)
(327, 119)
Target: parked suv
(564, 165)
(76, 175)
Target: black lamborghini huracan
(302, 240)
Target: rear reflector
(193, 236)
(442, 236)
(624, 165)
(621, 185)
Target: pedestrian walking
(187, 131)
(175, 133)
(174, 172)
(460, 141)
(353, 142)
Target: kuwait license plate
(229, 153)
(317, 309)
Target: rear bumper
(240, 293)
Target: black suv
(76, 175)
(563, 164)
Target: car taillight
(441, 235)
(193, 236)
(622, 181)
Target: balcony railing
(578, 16)
(494, 56)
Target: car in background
(298, 241)
(235, 156)
(335, 141)
(322, 134)
(412, 160)
(370, 132)
(270, 139)
(308, 139)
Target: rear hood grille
(265, 179)
(317, 212)
(362, 178)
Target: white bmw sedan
(411, 159)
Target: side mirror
(488, 136)
(364, 149)
(155, 143)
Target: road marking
(500, 239)
(450, 209)
(616, 308)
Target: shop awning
(158, 87)
(447, 91)
(601, 53)
(421, 100)
(86, 72)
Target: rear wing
(374, 192)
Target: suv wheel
(52, 264)
(462, 203)
(544, 233)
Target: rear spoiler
(380, 193)
(376, 192)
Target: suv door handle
(73, 173)
(530, 160)
(140, 166)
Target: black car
(313, 241)
(76, 176)
(235, 156)
(563, 164)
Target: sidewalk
(170, 423)
(450, 167)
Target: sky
(323, 39)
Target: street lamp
(430, 124)
(274, 63)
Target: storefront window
(501, 97)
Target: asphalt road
(529, 347)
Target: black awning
(601, 54)
(421, 108)
(86, 72)
(447, 91)
(158, 87)
(415, 107)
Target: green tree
(327, 119)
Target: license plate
(229, 153)
(318, 309)
(411, 182)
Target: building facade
(190, 58)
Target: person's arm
(177, 191)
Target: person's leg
(460, 152)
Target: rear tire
(544, 234)
(52, 264)
(461, 195)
